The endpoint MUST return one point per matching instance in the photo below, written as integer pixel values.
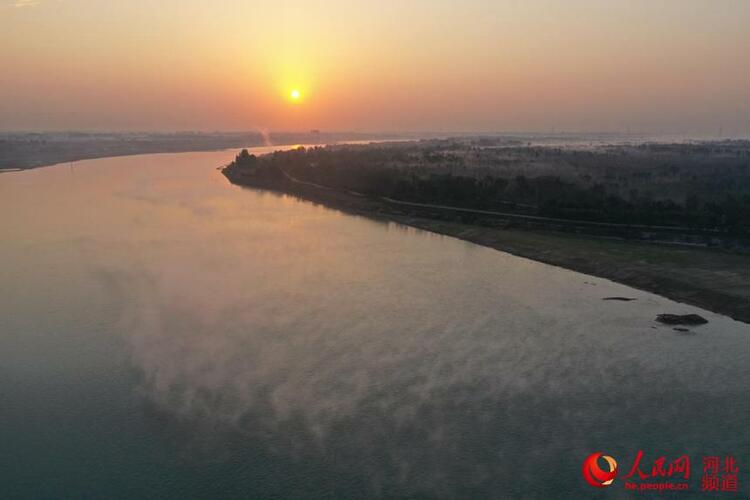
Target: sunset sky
(410, 65)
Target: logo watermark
(595, 475)
(719, 473)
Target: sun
(294, 94)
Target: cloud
(23, 4)
(20, 3)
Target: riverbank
(713, 280)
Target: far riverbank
(22, 151)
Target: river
(165, 334)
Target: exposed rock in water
(680, 329)
(623, 299)
(681, 319)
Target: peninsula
(671, 219)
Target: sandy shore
(712, 280)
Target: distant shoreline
(693, 276)
(24, 152)
(31, 163)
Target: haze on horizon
(678, 66)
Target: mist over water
(175, 336)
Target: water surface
(164, 334)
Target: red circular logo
(594, 474)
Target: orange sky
(531, 65)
